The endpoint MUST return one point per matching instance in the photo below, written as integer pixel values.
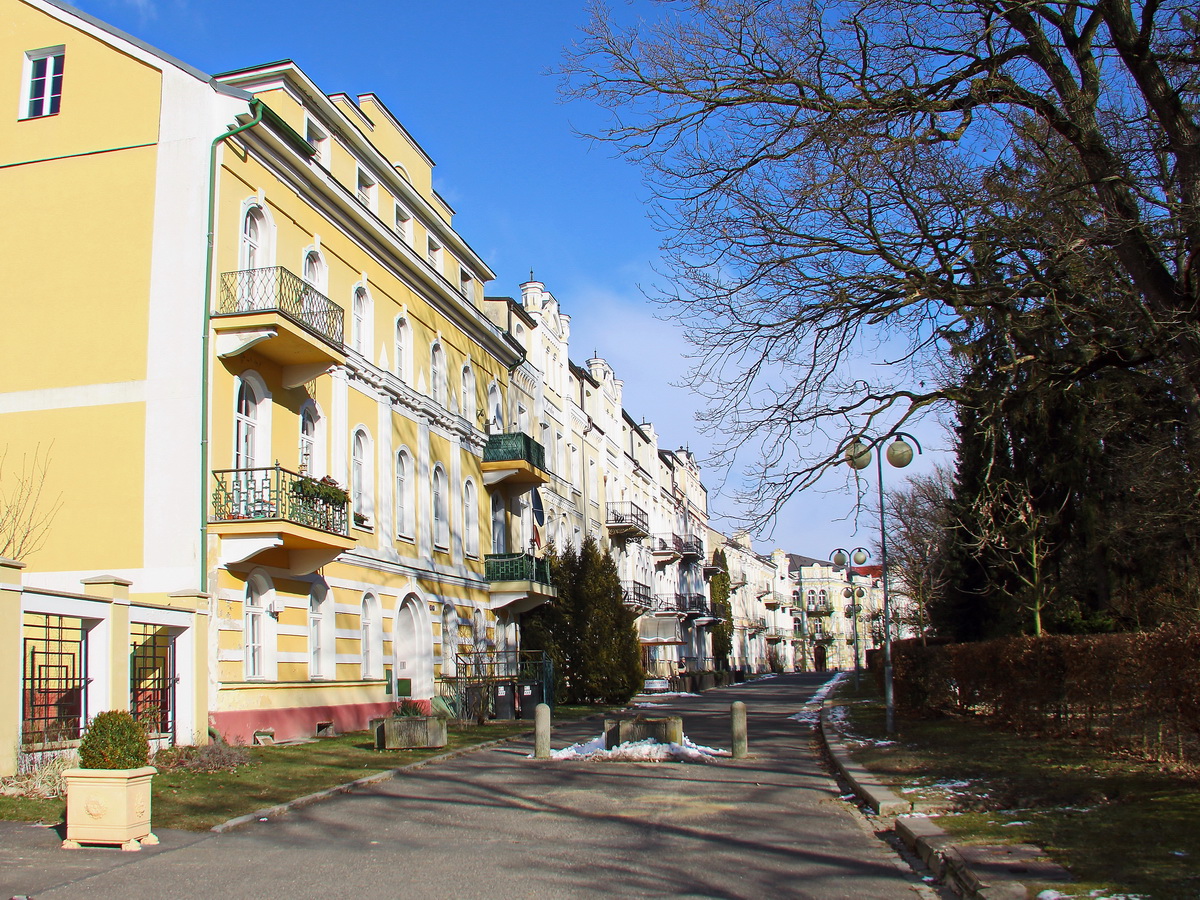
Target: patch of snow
(1053, 895)
(950, 785)
(647, 750)
(645, 705)
(1011, 824)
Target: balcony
(637, 595)
(283, 318)
(518, 581)
(711, 568)
(278, 517)
(515, 460)
(669, 605)
(771, 599)
(821, 637)
(798, 634)
(777, 634)
(693, 604)
(691, 547)
(666, 548)
(819, 609)
(626, 521)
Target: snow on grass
(648, 750)
(1051, 894)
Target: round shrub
(114, 740)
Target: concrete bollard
(737, 716)
(541, 732)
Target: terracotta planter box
(408, 732)
(109, 806)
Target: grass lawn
(198, 801)
(1120, 825)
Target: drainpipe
(231, 130)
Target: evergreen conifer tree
(722, 609)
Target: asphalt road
(495, 824)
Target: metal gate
(54, 680)
(152, 679)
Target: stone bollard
(737, 716)
(541, 732)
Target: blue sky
(470, 80)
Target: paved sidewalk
(493, 823)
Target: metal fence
(277, 493)
(278, 289)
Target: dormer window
(365, 189)
(43, 82)
(318, 139)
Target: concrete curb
(978, 873)
(866, 787)
(279, 809)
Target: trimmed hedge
(1138, 692)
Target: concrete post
(541, 732)
(737, 716)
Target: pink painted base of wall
(298, 722)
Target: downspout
(231, 130)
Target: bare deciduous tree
(25, 516)
(848, 192)
(918, 531)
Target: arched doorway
(819, 661)
(412, 651)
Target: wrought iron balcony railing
(666, 543)
(637, 595)
(278, 289)
(820, 609)
(277, 493)
(515, 446)
(669, 603)
(517, 567)
(691, 545)
(625, 515)
(694, 604)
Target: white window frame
(365, 188)
(317, 138)
(434, 252)
(48, 102)
(499, 524)
(404, 494)
(440, 486)
(362, 480)
(361, 313)
(467, 403)
(370, 638)
(466, 284)
(403, 349)
(321, 665)
(437, 373)
(403, 223)
(470, 519)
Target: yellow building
(250, 345)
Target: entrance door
(819, 661)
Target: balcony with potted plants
(284, 318)
(277, 516)
(625, 520)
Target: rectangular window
(318, 140)
(44, 82)
(433, 251)
(403, 224)
(466, 284)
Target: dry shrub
(216, 756)
(41, 781)
(1138, 692)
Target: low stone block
(626, 729)
(408, 732)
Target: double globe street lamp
(853, 594)
(899, 454)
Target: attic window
(365, 189)
(318, 139)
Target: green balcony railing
(515, 446)
(277, 493)
(517, 567)
(278, 289)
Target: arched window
(254, 239)
(320, 648)
(467, 403)
(404, 500)
(499, 524)
(441, 509)
(371, 638)
(252, 630)
(449, 641)
(308, 440)
(437, 373)
(811, 597)
(361, 481)
(402, 348)
(470, 519)
(822, 597)
(361, 323)
(245, 426)
(494, 410)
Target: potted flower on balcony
(108, 796)
(409, 727)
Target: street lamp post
(858, 556)
(899, 454)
